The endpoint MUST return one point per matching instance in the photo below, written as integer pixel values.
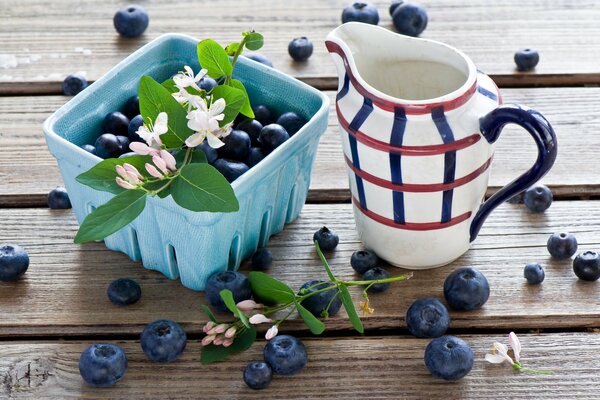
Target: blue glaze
(345, 88)
(487, 93)
(545, 139)
(396, 163)
(441, 123)
(359, 119)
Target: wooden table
(60, 306)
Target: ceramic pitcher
(418, 123)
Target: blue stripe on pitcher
(487, 93)
(396, 163)
(449, 160)
(359, 119)
(345, 88)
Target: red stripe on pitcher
(411, 226)
(409, 108)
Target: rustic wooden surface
(29, 171)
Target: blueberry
(232, 280)
(538, 198)
(89, 148)
(324, 304)
(327, 239)
(526, 59)
(237, 146)
(230, 169)
(262, 259)
(131, 21)
(263, 114)
(427, 318)
(207, 83)
(273, 136)
(300, 49)
(74, 84)
(102, 365)
(375, 274)
(466, 289)
(587, 266)
(259, 58)
(124, 143)
(291, 122)
(394, 5)
(410, 19)
(449, 358)
(285, 354)
(14, 261)
(361, 12)
(210, 153)
(252, 127)
(257, 154)
(562, 245)
(108, 146)
(124, 291)
(58, 198)
(163, 340)
(135, 124)
(363, 260)
(534, 273)
(116, 123)
(258, 375)
(132, 107)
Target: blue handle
(542, 133)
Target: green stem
(286, 317)
(398, 278)
(235, 57)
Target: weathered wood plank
(45, 40)
(348, 368)
(28, 171)
(64, 291)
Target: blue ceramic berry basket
(166, 237)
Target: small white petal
(515, 344)
(272, 332)
(161, 125)
(214, 141)
(259, 319)
(194, 140)
(217, 107)
(495, 358)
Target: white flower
(151, 134)
(188, 79)
(515, 345)
(499, 354)
(193, 101)
(205, 124)
(272, 332)
(259, 319)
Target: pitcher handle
(541, 131)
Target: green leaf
(198, 156)
(234, 99)
(227, 297)
(169, 84)
(325, 263)
(112, 216)
(102, 175)
(243, 341)
(317, 327)
(350, 310)
(246, 108)
(200, 187)
(232, 48)
(209, 313)
(214, 58)
(269, 289)
(154, 99)
(254, 41)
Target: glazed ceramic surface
(418, 124)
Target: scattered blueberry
(534, 273)
(124, 291)
(230, 169)
(394, 5)
(116, 123)
(259, 58)
(363, 260)
(587, 266)
(252, 127)
(135, 124)
(132, 107)
(285, 354)
(449, 358)
(327, 239)
(207, 83)
(237, 146)
(124, 143)
(108, 146)
(258, 375)
(74, 84)
(410, 19)
(538, 198)
(262, 259)
(324, 304)
(375, 274)
(102, 365)
(163, 340)
(210, 153)
(562, 245)
(58, 198)
(131, 21)
(466, 289)
(257, 154)
(291, 122)
(361, 12)
(300, 49)
(89, 148)
(14, 261)
(273, 136)
(263, 114)
(526, 59)
(427, 318)
(232, 280)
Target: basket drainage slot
(135, 245)
(234, 253)
(291, 209)
(172, 261)
(263, 237)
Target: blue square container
(167, 238)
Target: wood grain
(64, 291)
(351, 368)
(28, 171)
(49, 39)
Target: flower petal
(214, 141)
(194, 140)
(515, 344)
(272, 332)
(217, 107)
(495, 358)
(161, 124)
(259, 319)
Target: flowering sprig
(499, 355)
(283, 304)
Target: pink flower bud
(132, 178)
(132, 170)
(221, 328)
(207, 340)
(259, 319)
(209, 325)
(218, 341)
(227, 343)
(124, 184)
(160, 163)
(153, 171)
(272, 332)
(141, 148)
(230, 332)
(168, 159)
(122, 172)
(247, 305)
